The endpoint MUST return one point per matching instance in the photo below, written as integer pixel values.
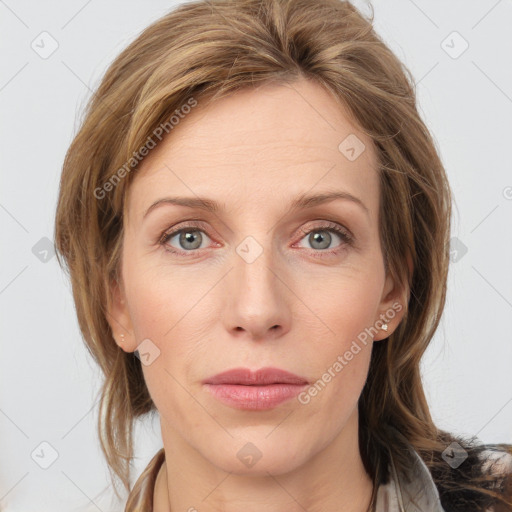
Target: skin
(209, 310)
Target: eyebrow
(301, 202)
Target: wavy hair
(205, 50)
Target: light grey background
(49, 383)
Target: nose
(259, 306)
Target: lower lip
(254, 398)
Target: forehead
(260, 146)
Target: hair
(202, 51)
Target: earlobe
(392, 308)
(384, 327)
(119, 319)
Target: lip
(263, 389)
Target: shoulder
(479, 480)
(497, 461)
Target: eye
(320, 237)
(187, 239)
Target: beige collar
(414, 492)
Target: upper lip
(261, 377)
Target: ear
(119, 319)
(393, 306)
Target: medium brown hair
(205, 50)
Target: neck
(333, 479)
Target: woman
(256, 224)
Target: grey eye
(320, 239)
(188, 239)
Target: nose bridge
(254, 268)
(256, 294)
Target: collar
(414, 492)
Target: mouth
(264, 389)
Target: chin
(259, 455)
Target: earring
(122, 338)
(384, 327)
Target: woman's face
(256, 283)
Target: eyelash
(344, 234)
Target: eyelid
(328, 226)
(190, 224)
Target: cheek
(166, 313)
(342, 304)
(342, 326)
(170, 311)
(160, 301)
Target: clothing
(419, 494)
(414, 492)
